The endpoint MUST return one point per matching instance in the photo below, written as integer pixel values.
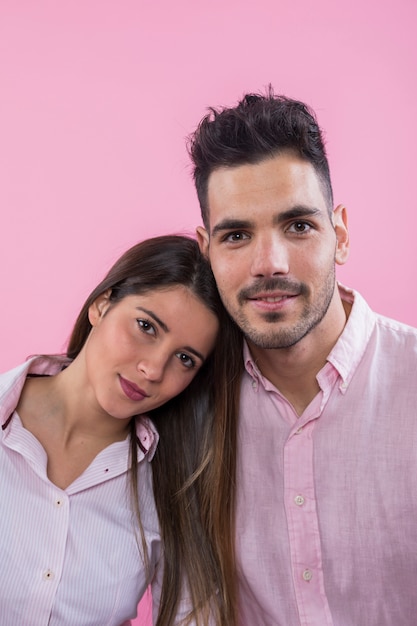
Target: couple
(281, 489)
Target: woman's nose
(152, 368)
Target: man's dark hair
(259, 127)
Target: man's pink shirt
(327, 502)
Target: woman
(79, 531)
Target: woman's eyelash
(146, 326)
(186, 360)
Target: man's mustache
(272, 285)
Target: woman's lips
(132, 391)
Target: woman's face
(146, 349)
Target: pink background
(97, 97)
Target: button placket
(302, 519)
(307, 575)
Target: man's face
(273, 246)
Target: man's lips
(271, 302)
(132, 391)
(272, 291)
(272, 298)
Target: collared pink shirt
(70, 557)
(327, 502)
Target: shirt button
(299, 431)
(299, 500)
(48, 574)
(59, 502)
(307, 575)
(343, 386)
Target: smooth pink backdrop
(97, 97)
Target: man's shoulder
(396, 340)
(395, 327)
(363, 316)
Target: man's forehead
(280, 183)
(268, 172)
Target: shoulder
(11, 385)
(400, 334)
(395, 326)
(12, 381)
(366, 321)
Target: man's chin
(273, 338)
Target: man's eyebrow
(154, 317)
(166, 329)
(297, 212)
(231, 224)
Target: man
(326, 470)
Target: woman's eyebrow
(195, 352)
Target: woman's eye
(186, 360)
(146, 327)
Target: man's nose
(270, 256)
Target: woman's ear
(342, 234)
(98, 309)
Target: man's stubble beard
(276, 337)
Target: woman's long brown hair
(199, 495)
(194, 465)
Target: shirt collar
(11, 385)
(351, 345)
(147, 436)
(349, 348)
(249, 363)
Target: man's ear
(98, 309)
(203, 239)
(340, 224)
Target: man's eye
(186, 360)
(300, 227)
(236, 237)
(146, 327)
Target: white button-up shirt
(70, 557)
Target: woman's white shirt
(70, 556)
